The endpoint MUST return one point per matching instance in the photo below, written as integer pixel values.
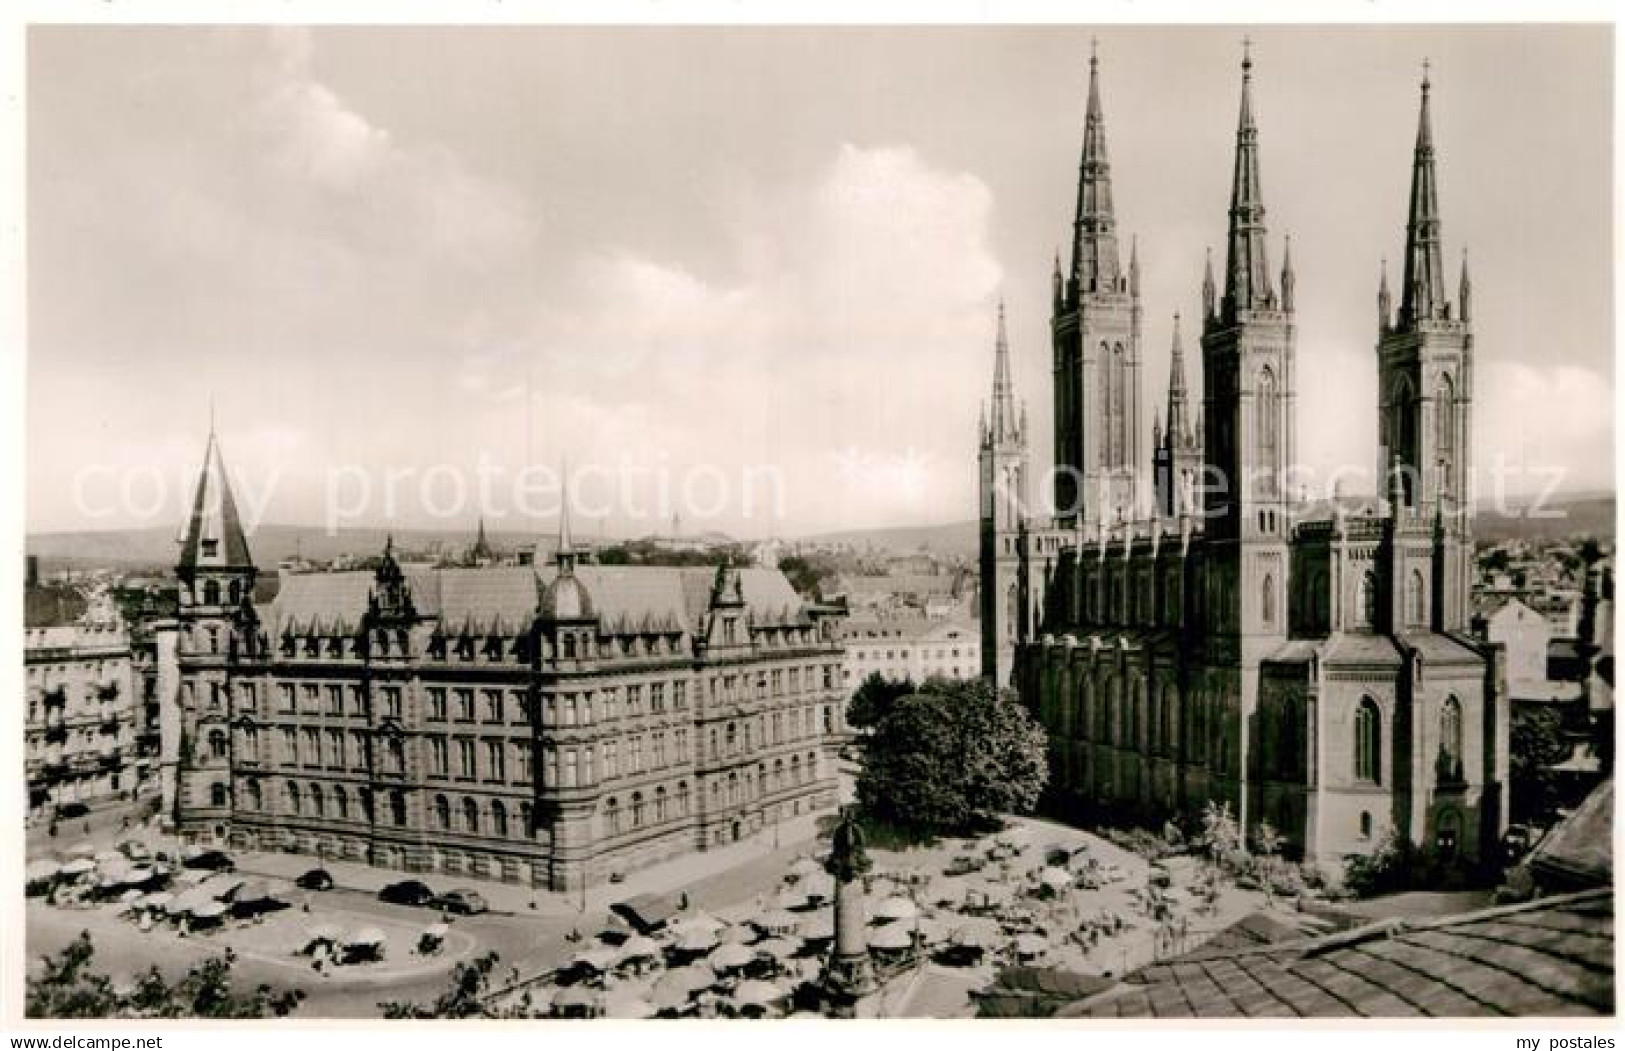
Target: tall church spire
(1004, 424)
(1247, 275)
(1178, 396)
(1095, 262)
(1423, 291)
(214, 537)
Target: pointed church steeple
(1095, 261)
(1289, 277)
(1178, 394)
(1423, 290)
(1004, 425)
(1385, 300)
(1209, 293)
(1464, 297)
(214, 538)
(565, 556)
(1247, 272)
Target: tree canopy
(1536, 745)
(874, 698)
(66, 987)
(952, 757)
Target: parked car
(407, 892)
(315, 879)
(463, 901)
(72, 810)
(213, 860)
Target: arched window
(1266, 599)
(1444, 424)
(660, 805)
(637, 809)
(526, 827)
(442, 812)
(1450, 769)
(1105, 396)
(293, 797)
(217, 744)
(499, 818)
(1368, 599)
(1267, 431)
(612, 814)
(1368, 741)
(1012, 611)
(795, 769)
(256, 798)
(318, 800)
(341, 802)
(682, 798)
(471, 814)
(1365, 824)
(1416, 600)
(397, 807)
(217, 794)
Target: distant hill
(155, 548)
(1586, 514)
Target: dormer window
(210, 547)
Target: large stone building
(1221, 638)
(547, 726)
(80, 724)
(910, 648)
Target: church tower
(1249, 360)
(1096, 332)
(1002, 457)
(216, 575)
(1424, 390)
(1177, 461)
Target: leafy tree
(464, 998)
(1221, 837)
(951, 758)
(874, 698)
(1536, 744)
(807, 574)
(66, 987)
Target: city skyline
(856, 253)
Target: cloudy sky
(709, 255)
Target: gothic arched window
(1416, 600)
(1012, 612)
(1106, 404)
(442, 812)
(499, 818)
(1368, 741)
(341, 802)
(217, 795)
(256, 798)
(1368, 599)
(1444, 421)
(397, 807)
(1450, 741)
(471, 814)
(1267, 430)
(318, 800)
(1266, 599)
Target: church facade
(546, 726)
(1220, 637)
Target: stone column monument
(848, 974)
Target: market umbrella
(892, 936)
(367, 936)
(253, 890)
(192, 850)
(638, 947)
(207, 910)
(896, 908)
(817, 926)
(574, 996)
(676, 987)
(789, 898)
(820, 886)
(933, 931)
(754, 992)
(223, 885)
(624, 1004)
(105, 856)
(139, 875)
(325, 932)
(777, 921)
(82, 849)
(1031, 945)
(43, 868)
(161, 900)
(697, 940)
(739, 932)
(731, 956)
(135, 849)
(597, 960)
(1055, 878)
(699, 921)
(78, 867)
(437, 930)
(777, 948)
(974, 934)
(131, 895)
(188, 900)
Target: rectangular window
(358, 701)
(335, 749)
(610, 768)
(465, 759)
(437, 756)
(496, 766)
(569, 768)
(284, 697)
(521, 751)
(335, 700)
(249, 699)
(587, 777)
(290, 747)
(392, 702)
(634, 700)
(358, 753)
(437, 703)
(612, 697)
(679, 695)
(657, 698)
(681, 740)
(569, 709)
(310, 700)
(634, 755)
(519, 706)
(493, 706)
(465, 705)
(586, 708)
(312, 747)
(660, 750)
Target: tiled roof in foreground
(1553, 956)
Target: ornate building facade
(1226, 639)
(546, 726)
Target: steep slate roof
(214, 517)
(503, 598)
(1579, 851)
(1553, 956)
